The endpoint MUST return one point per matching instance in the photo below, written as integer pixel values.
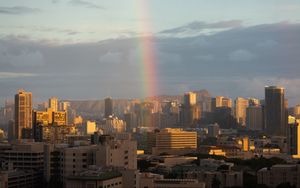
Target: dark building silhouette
(189, 110)
(275, 111)
(108, 103)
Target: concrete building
(51, 126)
(275, 111)
(108, 107)
(20, 178)
(149, 180)
(294, 137)
(254, 118)
(278, 174)
(90, 127)
(241, 105)
(62, 161)
(23, 114)
(174, 141)
(24, 156)
(95, 178)
(112, 124)
(22, 163)
(226, 178)
(53, 104)
(220, 101)
(190, 112)
(213, 130)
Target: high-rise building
(296, 111)
(240, 110)
(294, 137)
(64, 105)
(220, 101)
(254, 118)
(190, 111)
(23, 114)
(275, 111)
(189, 99)
(53, 104)
(108, 105)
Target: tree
(215, 183)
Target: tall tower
(275, 112)
(53, 104)
(23, 114)
(190, 111)
(240, 110)
(293, 137)
(189, 99)
(108, 103)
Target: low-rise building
(226, 178)
(279, 174)
(149, 180)
(95, 179)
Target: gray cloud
(241, 55)
(16, 10)
(85, 4)
(115, 67)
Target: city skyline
(149, 94)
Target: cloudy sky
(89, 49)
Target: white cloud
(4, 75)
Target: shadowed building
(275, 112)
(190, 111)
(108, 107)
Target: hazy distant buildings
(112, 124)
(130, 119)
(275, 111)
(190, 111)
(108, 107)
(53, 104)
(7, 112)
(240, 110)
(23, 114)
(213, 130)
(220, 101)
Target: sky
(89, 49)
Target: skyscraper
(220, 101)
(189, 99)
(293, 137)
(23, 114)
(240, 110)
(190, 111)
(53, 104)
(275, 112)
(254, 118)
(108, 103)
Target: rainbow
(146, 51)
